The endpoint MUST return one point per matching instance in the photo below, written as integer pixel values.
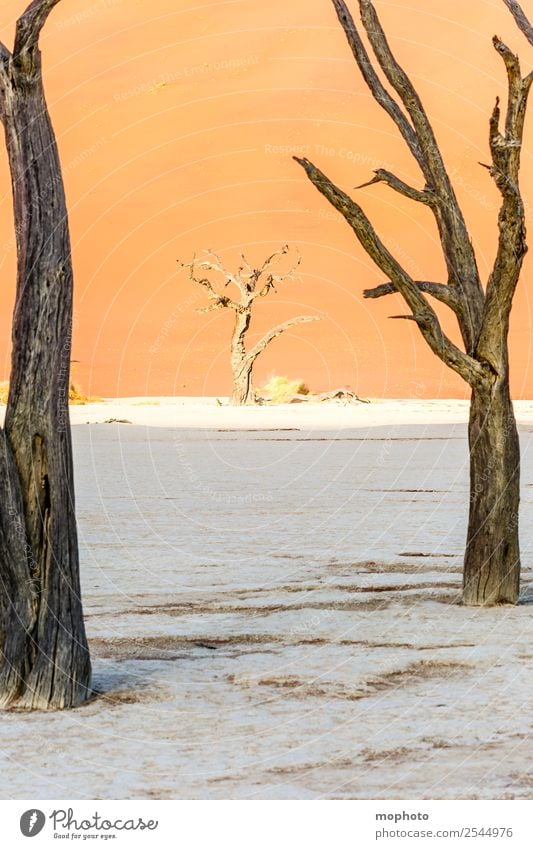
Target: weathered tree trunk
(241, 366)
(39, 550)
(492, 559)
(242, 386)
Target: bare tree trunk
(242, 386)
(241, 366)
(48, 643)
(492, 559)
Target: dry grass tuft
(75, 394)
(280, 390)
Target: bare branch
(273, 280)
(457, 247)
(373, 82)
(427, 319)
(277, 331)
(404, 317)
(272, 258)
(506, 152)
(209, 265)
(220, 300)
(439, 291)
(30, 24)
(506, 149)
(254, 274)
(257, 273)
(246, 265)
(433, 163)
(248, 278)
(383, 176)
(217, 305)
(520, 17)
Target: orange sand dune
(176, 121)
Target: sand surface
(272, 600)
(212, 413)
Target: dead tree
(250, 283)
(492, 558)
(44, 658)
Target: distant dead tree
(250, 283)
(44, 658)
(492, 558)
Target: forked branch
(432, 165)
(383, 176)
(251, 282)
(30, 24)
(423, 313)
(374, 83)
(506, 148)
(277, 331)
(417, 131)
(218, 299)
(439, 291)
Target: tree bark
(241, 367)
(492, 559)
(16, 607)
(39, 550)
(242, 386)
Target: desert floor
(272, 600)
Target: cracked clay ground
(275, 614)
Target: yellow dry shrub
(280, 390)
(75, 395)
